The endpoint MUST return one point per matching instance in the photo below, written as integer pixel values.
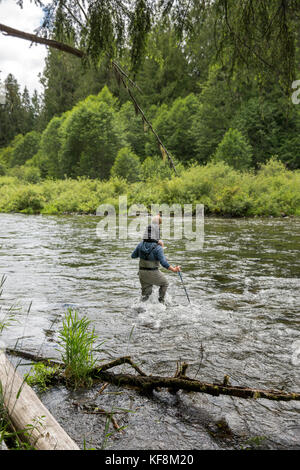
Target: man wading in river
(151, 254)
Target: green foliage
(214, 114)
(273, 167)
(175, 125)
(25, 148)
(191, 96)
(77, 346)
(263, 122)
(206, 67)
(154, 168)
(234, 150)
(10, 111)
(3, 168)
(254, 443)
(47, 159)
(135, 132)
(272, 190)
(6, 155)
(40, 375)
(60, 77)
(8, 317)
(90, 138)
(27, 173)
(261, 37)
(168, 72)
(23, 198)
(127, 165)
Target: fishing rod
(180, 275)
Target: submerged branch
(34, 357)
(151, 382)
(180, 381)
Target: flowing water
(243, 321)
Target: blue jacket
(156, 253)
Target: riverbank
(271, 191)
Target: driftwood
(180, 381)
(27, 414)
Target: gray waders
(150, 276)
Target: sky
(16, 55)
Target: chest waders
(150, 276)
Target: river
(243, 321)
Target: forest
(233, 130)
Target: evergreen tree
(27, 112)
(175, 126)
(11, 111)
(59, 80)
(25, 148)
(47, 158)
(36, 111)
(217, 106)
(166, 73)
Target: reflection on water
(244, 288)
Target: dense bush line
(271, 191)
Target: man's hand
(161, 243)
(175, 269)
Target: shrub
(27, 199)
(156, 168)
(234, 150)
(273, 190)
(272, 167)
(28, 173)
(127, 165)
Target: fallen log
(180, 381)
(27, 414)
(149, 383)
